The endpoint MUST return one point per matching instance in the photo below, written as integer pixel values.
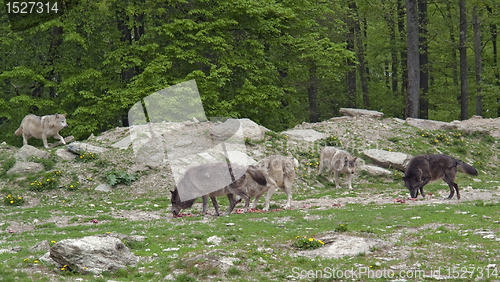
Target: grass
(259, 246)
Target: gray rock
(183, 143)
(105, 187)
(40, 246)
(375, 170)
(344, 245)
(304, 135)
(123, 144)
(26, 167)
(360, 112)
(252, 130)
(77, 147)
(93, 254)
(214, 240)
(27, 151)
(388, 159)
(428, 124)
(65, 154)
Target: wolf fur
(252, 175)
(338, 161)
(425, 168)
(42, 127)
(280, 172)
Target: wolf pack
(272, 172)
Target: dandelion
(53, 242)
(35, 261)
(311, 239)
(25, 259)
(11, 202)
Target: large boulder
(427, 124)
(375, 170)
(93, 254)
(304, 135)
(26, 167)
(360, 112)
(252, 130)
(388, 159)
(27, 151)
(78, 147)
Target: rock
(184, 142)
(40, 246)
(77, 147)
(105, 187)
(252, 130)
(345, 245)
(340, 119)
(123, 144)
(93, 254)
(68, 139)
(214, 240)
(427, 124)
(65, 154)
(239, 158)
(27, 151)
(304, 135)
(375, 170)
(47, 259)
(388, 159)
(26, 167)
(360, 112)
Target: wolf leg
(25, 138)
(349, 180)
(270, 192)
(215, 204)
(44, 139)
(232, 203)
(453, 186)
(205, 204)
(60, 138)
(426, 180)
(336, 175)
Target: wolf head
(177, 205)
(413, 182)
(350, 164)
(61, 121)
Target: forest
(276, 62)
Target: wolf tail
(19, 131)
(257, 175)
(467, 168)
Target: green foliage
(331, 141)
(7, 164)
(47, 163)
(13, 200)
(307, 244)
(341, 227)
(50, 181)
(114, 177)
(85, 157)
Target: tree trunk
(494, 34)
(313, 93)
(351, 74)
(413, 64)
(361, 55)
(424, 61)
(402, 36)
(478, 63)
(464, 92)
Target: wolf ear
(64, 115)
(355, 158)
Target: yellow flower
(311, 239)
(11, 202)
(25, 259)
(71, 186)
(20, 198)
(321, 242)
(53, 242)
(35, 261)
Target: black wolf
(425, 168)
(194, 176)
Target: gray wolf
(279, 172)
(425, 168)
(338, 161)
(194, 177)
(42, 127)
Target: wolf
(279, 172)
(193, 176)
(338, 161)
(42, 127)
(425, 168)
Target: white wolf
(279, 172)
(338, 161)
(42, 127)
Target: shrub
(50, 181)
(341, 228)
(120, 177)
(12, 200)
(307, 244)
